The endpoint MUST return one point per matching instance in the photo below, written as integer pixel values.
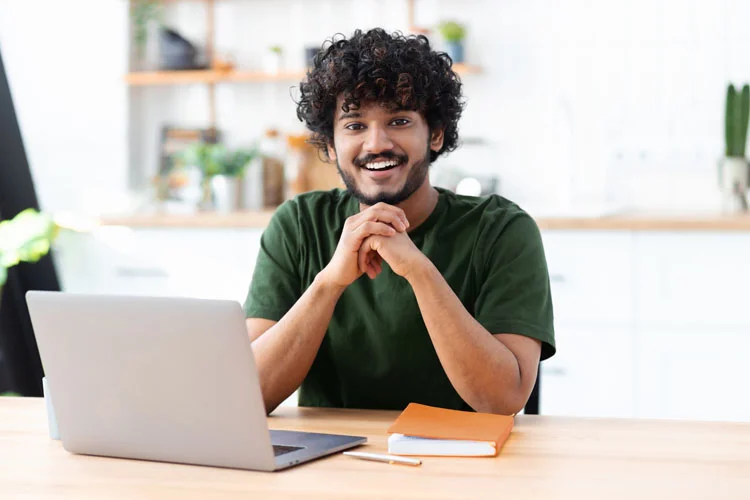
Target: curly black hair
(375, 66)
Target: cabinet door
(203, 263)
(699, 374)
(592, 373)
(692, 279)
(210, 263)
(591, 276)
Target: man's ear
(331, 150)
(436, 139)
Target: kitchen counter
(621, 222)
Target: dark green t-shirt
(377, 352)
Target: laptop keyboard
(279, 449)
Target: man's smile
(382, 165)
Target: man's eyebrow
(357, 114)
(351, 114)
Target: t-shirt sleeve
(276, 284)
(514, 295)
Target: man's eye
(354, 126)
(400, 121)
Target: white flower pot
(734, 177)
(272, 63)
(226, 192)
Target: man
(393, 291)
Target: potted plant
(453, 34)
(142, 14)
(227, 185)
(273, 59)
(734, 173)
(206, 157)
(27, 237)
(221, 170)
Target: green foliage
(736, 120)
(141, 13)
(216, 159)
(276, 49)
(235, 162)
(452, 31)
(25, 238)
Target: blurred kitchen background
(165, 133)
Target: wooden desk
(545, 457)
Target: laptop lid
(174, 379)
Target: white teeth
(381, 165)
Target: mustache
(385, 155)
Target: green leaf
(729, 120)
(26, 238)
(216, 159)
(744, 114)
(452, 31)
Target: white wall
(65, 62)
(579, 101)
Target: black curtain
(20, 366)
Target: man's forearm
(483, 371)
(286, 351)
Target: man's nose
(377, 140)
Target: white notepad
(398, 444)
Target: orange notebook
(426, 430)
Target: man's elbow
(270, 409)
(508, 403)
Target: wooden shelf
(466, 69)
(245, 219)
(623, 222)
(155, 78)
(143, 78)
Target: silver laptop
(167, 379)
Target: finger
(363, 257)
(377, 266)
(381, 212)
(372, 273)
(387, 213)
(375, 262)
(370, 228)
(367, 251)
(369, 270)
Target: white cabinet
(591, 375)
(591, 274)
(692, 322)
(649, 324)
(694, 374)
(202, 263)
(696, 278)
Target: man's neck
(419, 205)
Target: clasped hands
(377, 234)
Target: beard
(414, 179)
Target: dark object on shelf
(310, 53)
(176, 52)
(20, 367)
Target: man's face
(382, 154)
